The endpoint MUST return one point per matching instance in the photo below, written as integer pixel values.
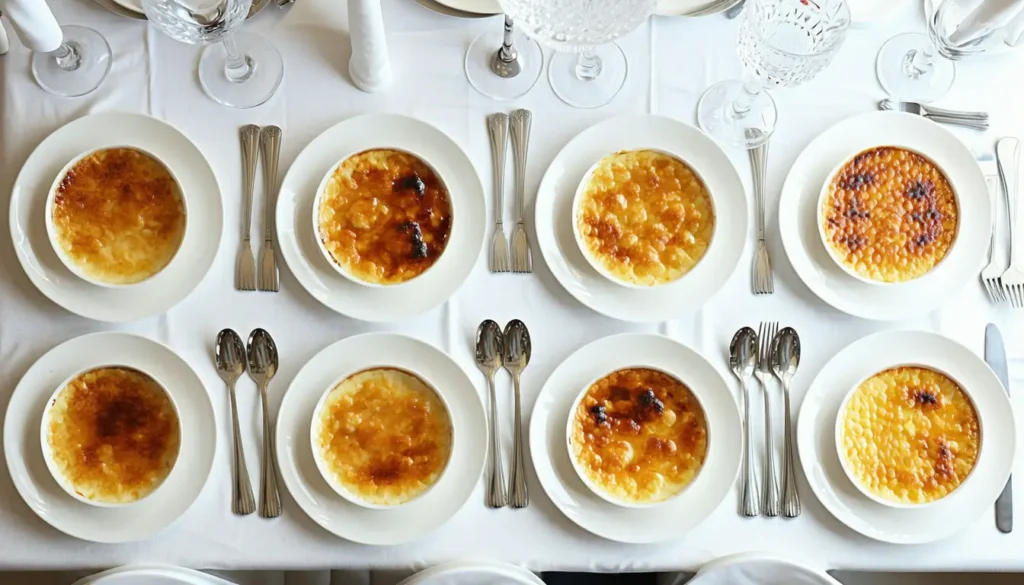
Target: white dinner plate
(801, 238)
(415, 519)
(473, 573)
(663, 7)
(759, 569)
(816, 437)
(24, 453)
(564, 257)
(674, 517)
(202, 231)
(151, 575)
(295, 218)
(133, 5)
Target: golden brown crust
(910, 435)
(639, 435)
(114, 434)
(118, 215)
(645, 216)
(890, 215)
(384, 435)
(384, 216)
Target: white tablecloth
(671, 62)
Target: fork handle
(497, 126)
(942, 112)
(242, 502)
(519, 497)
(759, 169)
(496, 497)
(270, 498)
(249, 135)
(974, 124)
(521, 121)
(790, 496)
(771, 484)
(751, 501)
(270, 146)
(1008, 157)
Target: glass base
(594, 91)
(716, 116)
(90, 71)
(899, 80)
(484, 79)
(267, 71)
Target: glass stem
(917, 64)
(588, 65)
(237, 67)
(67, 57)
(741, 105)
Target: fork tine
(988, 290)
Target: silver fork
(991, 273)
(763, 282)
(245, 270)
(1008, 157)
(521, 121)
(765, 335)
(497, 127)
(933, 112)
(270, 146)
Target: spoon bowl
(786, 354)
(229, 356)
(517, 345)
(263, 359)
(743, 353)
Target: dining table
(671, 61)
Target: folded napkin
(34, 24)
(987, 17)
(369, 66)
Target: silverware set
(259, 357)
(499, 127)
(973, 120)
(1004, 284)
(510, 349)
(763, 354)
(256, 142)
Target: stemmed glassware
(77, 67)
(782, 43)
(240, 70)
(503, 65)
(919, 67)
(591, 69)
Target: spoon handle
(270, 499)
(751, 500)
(791, 499)
(771, 484)
(519, 497)
(496, 482)
(242, 502)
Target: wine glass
(243, 70)
(918, 67)
(77, 67)
(503, 65)
(782, 43)
(592, 69)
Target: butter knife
(995, 357)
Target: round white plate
(562, 253)
(816, 437)
(173, 283)
(473, 573)
(133, 5)
(798, 216)
(420, 516)
(295, 218)
(663, 7)
(151, 575)
(674, 517)
(759, 569)
(24, 453)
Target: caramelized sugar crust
(910, 435)
(639, 435)
(890, 215)
(645, 217)
(114, 434)
(119, 216)
(384, 435)
(384, 216)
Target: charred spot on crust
(419, 247)
(856, 181)
(923, 397)
(648, 406)
(854, 211)
(412, 183)
(920, 190)
(944, 462)
(853, 242)
(599, 413)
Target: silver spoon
(229, 355)
(517, 357)
(489, 347)
(785, 359)
(262, 367)
(742, 358)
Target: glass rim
(845, 22)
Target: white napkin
(34, 24)
(988, 16)
(5, 43)
(369, 66)
(755, 569)
(1015, 31)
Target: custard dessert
(384, 217)
(383, 436)
(644, 217)
(889, 215)
(910, 435)
(113, 435)
(639, 436)
(118, 216)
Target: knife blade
(995, 357)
